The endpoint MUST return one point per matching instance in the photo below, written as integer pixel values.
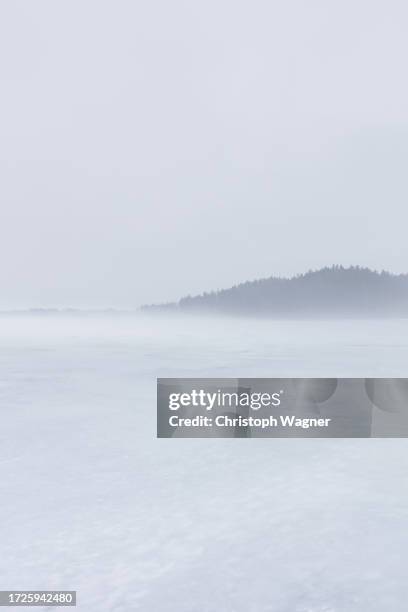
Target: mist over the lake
(92, 501)
(152, 151)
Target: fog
(150, 150)
(211, 346)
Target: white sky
(152, 149)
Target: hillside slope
(335, 291)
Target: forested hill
(335, 291)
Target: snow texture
(91, 500)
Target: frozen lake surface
(91, 500)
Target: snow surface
(91, 500)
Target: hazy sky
(151, 149)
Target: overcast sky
(152, 149)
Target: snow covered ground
(91, 500)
